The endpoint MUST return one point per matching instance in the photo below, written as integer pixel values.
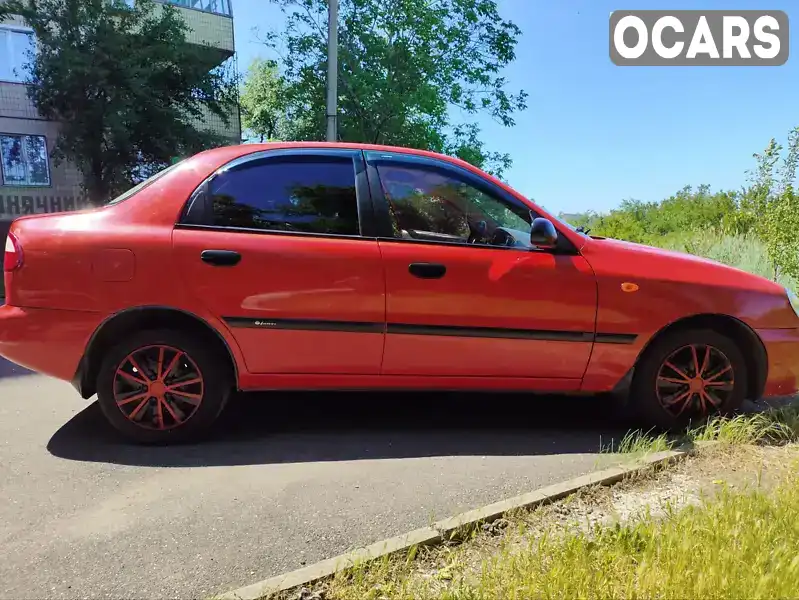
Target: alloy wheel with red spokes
(695, 380)
(158, 387)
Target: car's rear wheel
(163, 386)
(686, 377)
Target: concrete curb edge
(444, 529)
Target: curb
(445, 529)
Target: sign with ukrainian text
(18, 205)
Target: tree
(263, 101)
(126, 86)
(404, 67)
(466, 145)
(772, 206)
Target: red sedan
(346, 266)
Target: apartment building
(29, 182)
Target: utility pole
(332, 69)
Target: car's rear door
(458, 306)
(277, 245)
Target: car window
(302, 194)
(143, 184)
(428, 204)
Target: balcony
(216, 7)
(210, 23)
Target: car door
(276, 245)
(458, 306)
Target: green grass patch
(641, 443)
(771, 427)
(779, 426)
(739, 544)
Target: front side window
(24, 160)
(15, 48)
(430, 204)
(299, 194)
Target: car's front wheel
(687, 376)
(162, 386)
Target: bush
(756, 229)
(744, 252)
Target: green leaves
(772, 207)
(404, 67)
(768, 209)
(126, 86)
(263, 101)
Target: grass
(736, 543)
(772, 427)
(640, 443)
(740, 545)
(740, 541)
(769, 427)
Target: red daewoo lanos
(325, 266)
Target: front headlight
(794, 300)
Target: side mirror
(543, 233)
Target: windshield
(579, 230)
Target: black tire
(214, 389)
(647, 402)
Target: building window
(24, 160)
(15, 48)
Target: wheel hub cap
(158, 387)
(694, 380)
(696, 385)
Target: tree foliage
(404, 68)
(263, 102)
(127, 88)
(772, 206)
(767, 208)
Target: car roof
(245, 149)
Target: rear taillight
(13, 257)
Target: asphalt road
(287, 480)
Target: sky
(594, 133)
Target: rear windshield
(137, 188)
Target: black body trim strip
(615, 338)
(490, 332)
(436, 330)
(305, 324)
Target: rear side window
(293, 194)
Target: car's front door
(458, 306)
(274, 245)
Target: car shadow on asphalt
(311, 427)
(9, 369)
